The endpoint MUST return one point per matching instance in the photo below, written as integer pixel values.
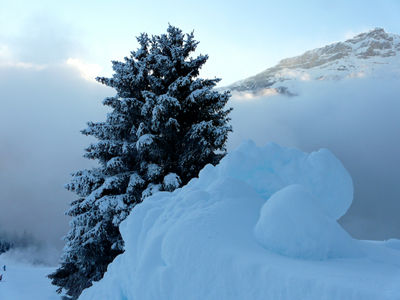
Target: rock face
(356, 57)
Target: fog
(358, 120)
(42, 112)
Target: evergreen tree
(5, 245)
(166, 124)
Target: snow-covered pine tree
(166, 124)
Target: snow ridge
(372, 53)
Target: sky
(241, 37)
(50, 51)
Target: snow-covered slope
(371, 54)
(260, 225)
(25, 282)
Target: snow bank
(260, 225)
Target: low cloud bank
(24, 248)
(358, 120)
(42, 112)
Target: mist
(42, 113)
(358, 120)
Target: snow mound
(222, 236)
(271, 168)
(292, 223)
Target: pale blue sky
(45, 102)
(241, 37)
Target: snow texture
(171, 182)
(25, 282)
(260, 225)
(292, 223)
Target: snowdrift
(260, 225)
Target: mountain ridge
(359, 56)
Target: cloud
(355, 118)
(40, 40)
(42, 112)
(47, 95)
(248, 96)
(88, 71)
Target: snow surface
(292, 223)
(260, 225)
(22, 281)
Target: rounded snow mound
(271, 168)
(292, 223)
(242, 230)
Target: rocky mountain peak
(373, 43)
(349, 58)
